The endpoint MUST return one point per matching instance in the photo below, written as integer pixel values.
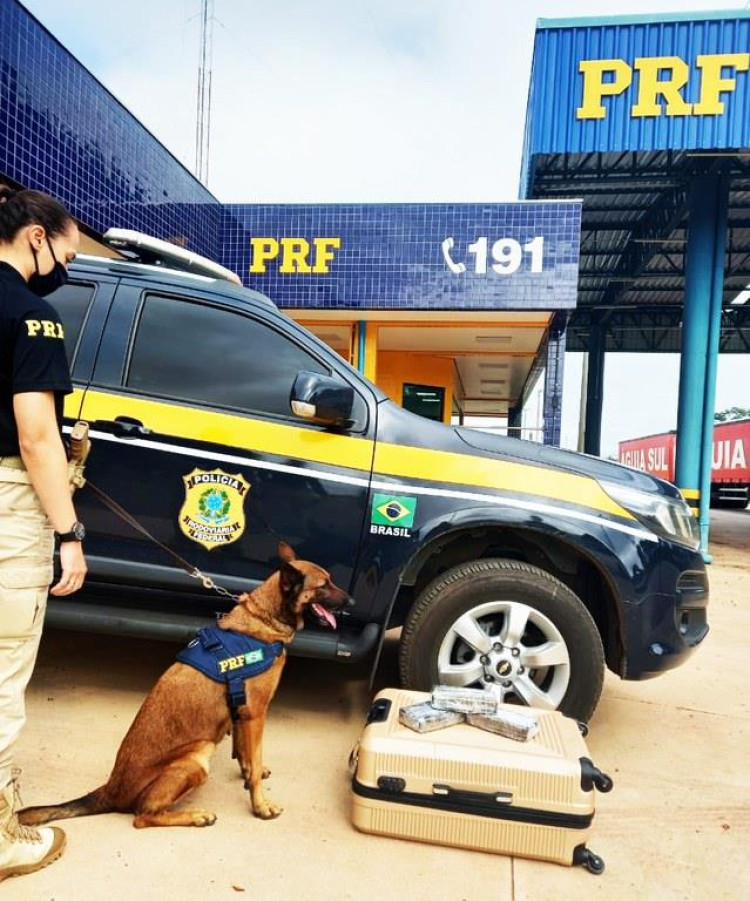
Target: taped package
(464, 700)
(518, 726)
(425, 718)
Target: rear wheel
(509, 625)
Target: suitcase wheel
(583, 729)
(604, 783)
(593, 863)
(592, 777)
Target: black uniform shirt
(32, 352)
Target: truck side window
(72, 302)
(189, 351)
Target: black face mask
(42, 285)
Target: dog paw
(268, 811)
(203, 818)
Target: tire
(484, 623)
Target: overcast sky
(350, 100)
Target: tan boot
(24, 849)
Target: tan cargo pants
(26, 549)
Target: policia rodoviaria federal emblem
(214, 510)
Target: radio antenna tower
(203, 117)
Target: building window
(424, 400)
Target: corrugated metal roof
(633, 172)
(621, 223)
(559, 121)
(656, 329)
(642, 18)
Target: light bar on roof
(147, 249)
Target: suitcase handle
(457, 794)
(379, 711)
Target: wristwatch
(77, 533)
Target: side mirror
(320, 398)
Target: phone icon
(455, 268)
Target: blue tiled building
(393, 256)
(360, 275)
(62, 132)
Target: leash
(193, 571)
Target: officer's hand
(73, 569)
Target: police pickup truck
(222, 426)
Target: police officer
(38, 239)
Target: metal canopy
(633, 240)
(648, 122)
(625, 112)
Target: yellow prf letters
(296, 255)
(47, 328)
(231, 663)
(660, 82)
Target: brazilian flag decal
(393, 510)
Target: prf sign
(293, 255)
(662, 78)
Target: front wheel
(509, 625)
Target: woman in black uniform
(38, 240)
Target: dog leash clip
(208, 583)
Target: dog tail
(92, 803)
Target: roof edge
(521, 201)
(642, 19)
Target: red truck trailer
(730, 477)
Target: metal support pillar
(712, 361)
(553, 379)
(592, 442)
(361, 339)
(367, 349)
(701, 327)
(582, 407)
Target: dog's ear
(286, 553)
(292, 579)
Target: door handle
(123, 427)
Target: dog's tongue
(325, 614)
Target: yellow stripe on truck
(72, 404)
(419, 464)
(484, 472)
(232, 430)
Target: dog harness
(230, 657)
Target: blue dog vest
(230, 657)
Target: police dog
(167, 750)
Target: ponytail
(19, 208)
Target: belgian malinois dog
(166, 752)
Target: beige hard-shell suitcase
(468, 788)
